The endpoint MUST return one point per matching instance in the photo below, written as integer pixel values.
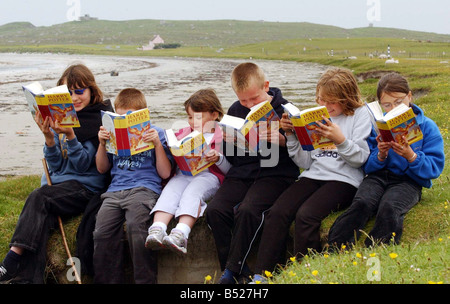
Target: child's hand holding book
(286, 125)
(151, 136)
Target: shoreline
(165, 82)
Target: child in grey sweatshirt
(330, 177)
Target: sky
(419, 15)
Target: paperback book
(305, 125)
(126, 132)
(400, 121)
(245, 132)
(55, 103)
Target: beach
(165, 82)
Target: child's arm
(163, 164)
(101, 158)
(301, 158)
(221, 162)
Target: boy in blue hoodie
(396, 174)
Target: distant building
(151, 44)
(86, 17)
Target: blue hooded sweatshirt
(430, 154)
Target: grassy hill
(217, 33)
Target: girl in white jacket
(330, 177)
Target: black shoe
(5, 276)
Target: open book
(189, 149)
(305, 126)
(400, 121)
(127, 132)
(246, 131)
(55, 102)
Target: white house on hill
(151, 44)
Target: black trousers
(235, 215)
(382, 194)
(37, 219)
(307, 202)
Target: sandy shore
(166, 83)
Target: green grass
(426, 228)
(216, 33)
(409, 263)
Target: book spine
(386, 135)
(45, 111)
(123, 143)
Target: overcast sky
(421, 15)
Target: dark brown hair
(340, 85)
(204, 100)
(78, 76)
(392, 83)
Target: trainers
(228, 277)
(258, 279)
(5, 277)
(176, 241)
(155, 238)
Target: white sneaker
(155, 238)
(176, 241)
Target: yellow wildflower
(358, 255)
(355, 263)
(326, 255)
(393, 255)
(208, 278)
(268, 274)
(315, 272)
(292, 259)
(292, 274)
(373, 254)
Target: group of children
(240, 197)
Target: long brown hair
(79, 76)
(340, 85)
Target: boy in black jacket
(236, 213)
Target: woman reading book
(396, 174)
(70, 155)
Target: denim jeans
(382, 194)
(37, 219)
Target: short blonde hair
(340, 85)
(130, 98)
(243, 75)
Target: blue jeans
(382, 194)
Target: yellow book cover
(305, 126)
(126, 132)
(398, 123)
(188, 149)
(246, 131)
(55, 102)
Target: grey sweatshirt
(342, 162)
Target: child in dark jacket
(236, 212)
(396, 174)
(70, 155)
